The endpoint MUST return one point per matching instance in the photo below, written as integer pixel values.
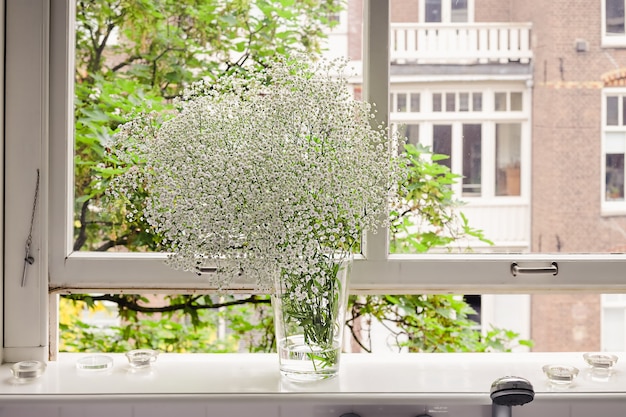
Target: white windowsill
(242, 385)
(463, 375)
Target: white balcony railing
(460, 43)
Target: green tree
(134, 56)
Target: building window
(613, 29)
(480, 149)
(508, 101)
(472, 160)
(404, 102)
(411, 132)
(508, 159)
(448, 102)
(446, 11)
(614, 151)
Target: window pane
(612, 115)
(477, 101)
(614, 177)
(382, 324)
(411, 132)
(415, 102)
(401, 102)
(516, 101)
(459, 11)
(614, 17)
(464, 102)
(508, 158)
(442, 143)
(437, 102)
(433, 11)
(623, 111)
(450, 102)
(472, 159)
(500, 101)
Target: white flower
(261, 178)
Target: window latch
(516, 270)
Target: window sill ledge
(465, 376)
(241, 385)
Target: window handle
(519, 270)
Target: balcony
(460, 43)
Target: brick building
(529, 100)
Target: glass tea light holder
(141, 358)
(95, 363)
(562, 375)
(27, 371)
(600, 365)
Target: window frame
(59, 270)
(611, 41)
(375, 271)
(487, 116)
(446, 12)
(611, 207)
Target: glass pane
(139, 56)
(464, 102)
(411, 132)
(612, 115)
(401, 105)
(437, 102)
(415, 102)
(614, 177)
(459, 11)
(380, 323)
(433, 11)
(477, 101)
(508, 159)
(450, 102)
(516, 101)
(614, 17)
(500, 101)
(442, 143)
(472, 159)
(623, 111)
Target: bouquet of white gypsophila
(259, 175)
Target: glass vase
(309, 318)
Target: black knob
(350, 415)
(512, 390)
(424, 415)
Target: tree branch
(121, 301)
(82, 233)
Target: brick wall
(566, 137)
(492, 10)
(565, 323)
(404, 11)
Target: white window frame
(446, 12)
(611, 208)
(610, 41)
(488, 118)
(39, 122)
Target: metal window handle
(520, 270)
